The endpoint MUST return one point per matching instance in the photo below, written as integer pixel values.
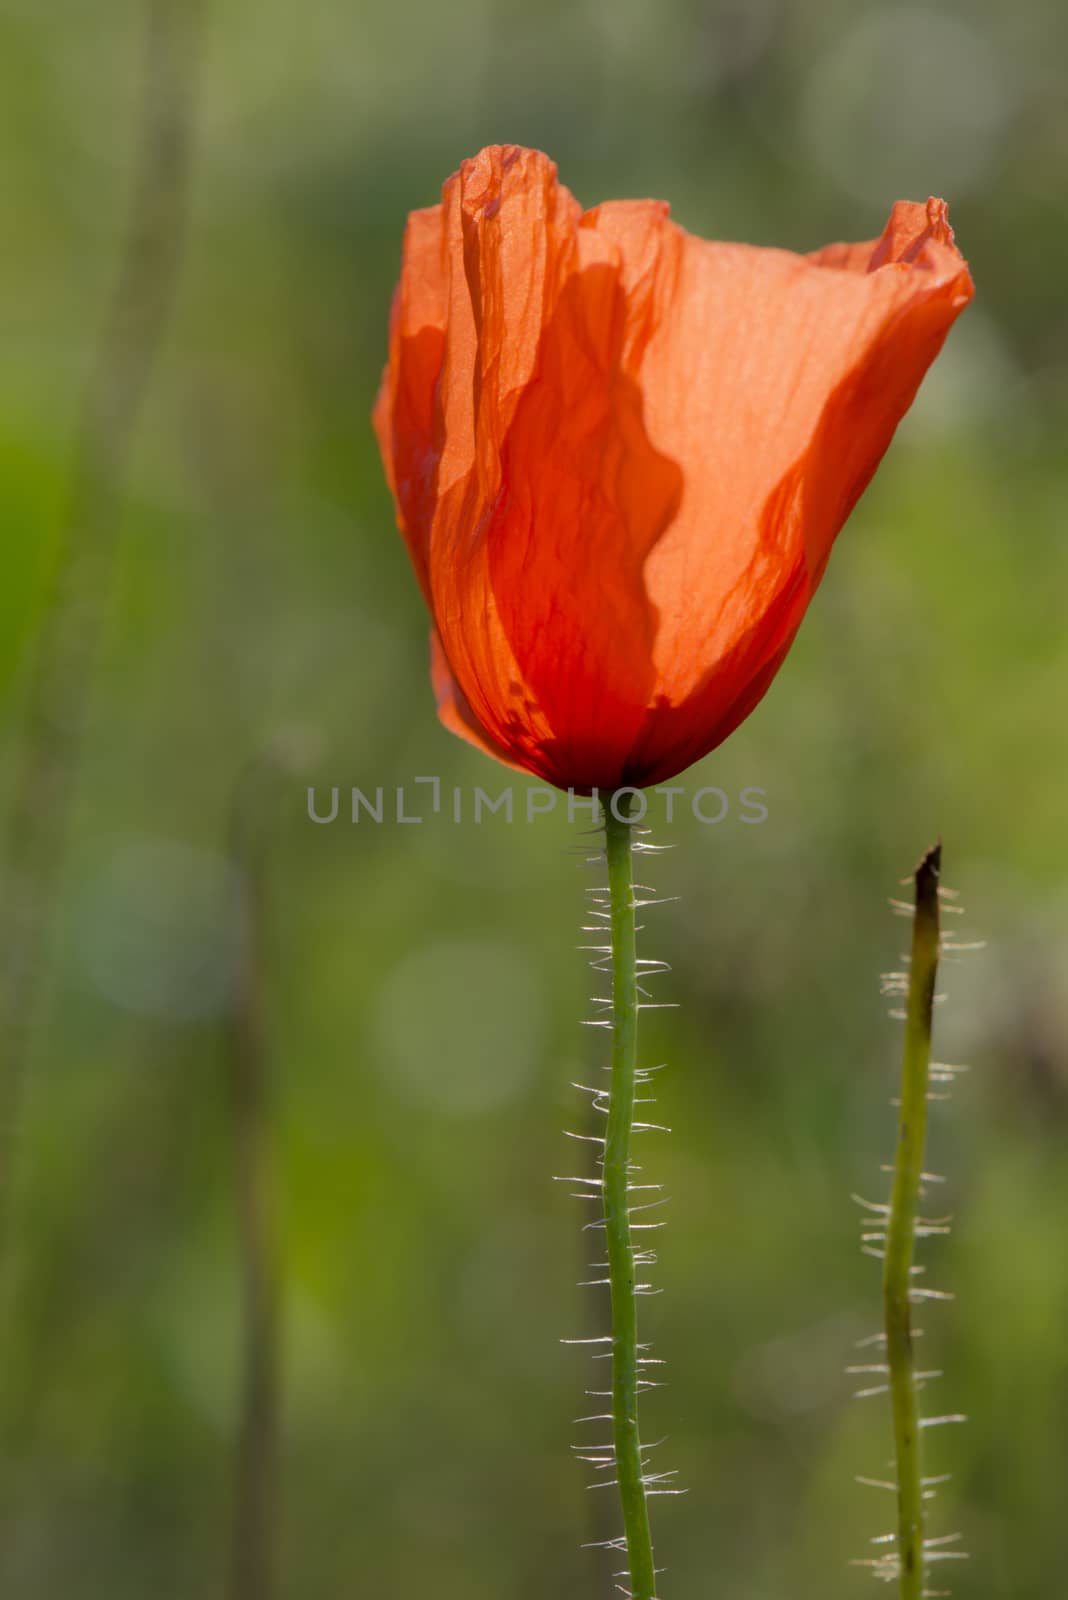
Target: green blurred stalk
(60, 676)
(616, 1179)
(901, 1227)
(255, 1506)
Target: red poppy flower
(620, 455)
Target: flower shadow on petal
(584, 497)
(677, 735)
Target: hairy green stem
(901, 1228)
(616, 1177)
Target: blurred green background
(420, 994)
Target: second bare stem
(901, 1228)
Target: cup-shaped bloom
(620, 455)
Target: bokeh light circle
(459, 1025)
(908, 102)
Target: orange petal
(776, 382)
